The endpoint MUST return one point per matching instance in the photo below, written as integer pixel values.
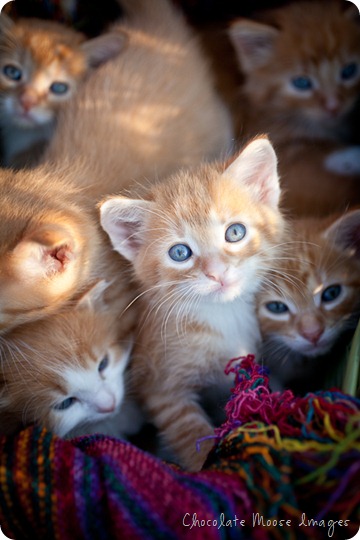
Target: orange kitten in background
(302, 69)
(311, 300)
(200, 244)
(42, 64)
(138, 117)
(67, 372)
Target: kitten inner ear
(101, 49)
(45, 253)
(253, 43)
(256, 168)
(123, 220)
(345, 232)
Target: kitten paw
(346, 162)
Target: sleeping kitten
(67, 372)
(42, 64)
(311, 300)
(136, 118)
(200, 244)
(302, 68)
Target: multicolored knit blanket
(282, 467)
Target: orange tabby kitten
(67, 372)
(311, 300)
(200, 244)
(42, 64)
(50, 245)
(136, 118)
(302, 69)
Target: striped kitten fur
(311, 301)
(42, 64)
(302, 70)
(136, 118)
(67, 372)
(200, 244)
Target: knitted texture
(276, 458)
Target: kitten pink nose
(311, 328)
(215, 270)
(216, 277)
(104, 402)
(313, 335)
(332, 105)
(28, 100)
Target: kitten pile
(141, 249)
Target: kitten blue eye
(66, 404)
(302, 83)
(59, 88)
(180, 253)
(277, 307)
(331, 293)
(12, 72)
(103, 364)
(235, 232)
(349, 71)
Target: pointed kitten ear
(123, 220)
(256, 168)
(253, 43)
(94, 298)
(43, 253)
(345, 232)
(101, 49)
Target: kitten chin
(311, 308)
(200, 244)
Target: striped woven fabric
(282, 467)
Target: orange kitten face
(204, 236)
(303, 63)
(315, 295)
(41, 66)
(66, 372)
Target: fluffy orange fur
(42, 63)
(199, 244)
(43, 364)
(302, 69)
(311, 300)
(138, 117)
(157, 102)
(45, 255)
